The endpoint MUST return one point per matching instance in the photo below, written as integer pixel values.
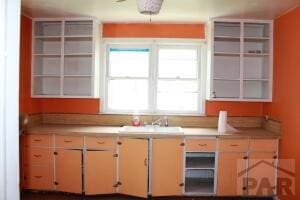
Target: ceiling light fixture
(149, 7)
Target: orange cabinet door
(68, 170)
(262, 174)
(100, 172)
(167, 167)
(133, 167)
(38, 177)
(232, 173)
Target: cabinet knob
(245, 157)
(181, 184)
(275, 157)
(244, 188)
(55, 153)
(182, 144)
(115, 155)
(55, 183)
(119, 143)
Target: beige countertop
(110, 130)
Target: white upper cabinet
(240, 60)
(65, 58)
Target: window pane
(177, 95)
(128, 95)
(177, 63)
(129, 62)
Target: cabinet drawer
(69, 141)
(39, 156)
(266, 145)
(38, 177)
(38, 140)
(233, 145)
(201, 144)
(100, 142)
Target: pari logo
(266, 177)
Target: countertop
(87, 130)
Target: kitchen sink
(152, 129)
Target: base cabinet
(262, 173)
(100, 172)
(232, 173)
(68, 168)
(167, 167)
(133, 167)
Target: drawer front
(266, 145)
(38, 177)
(38, 140)
(201, 144)
(38, 156)
(100, 142)
(69, 141)
(233, 145)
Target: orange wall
(286, 104)
(154, 30)
(196, 31)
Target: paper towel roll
(222, 124)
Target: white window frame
(154, 45)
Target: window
(153, 78)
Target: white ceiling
(188, 11)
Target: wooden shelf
(226, 54)
(256, 54)
(227, 38)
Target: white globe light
(149, 7)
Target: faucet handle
(166, 121)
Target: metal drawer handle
(202, 145)
(234, 145)
(37, 140)
(37, 156)
(38, 177)
(101, 142)
(67, 141)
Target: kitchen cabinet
(200, 166)
(229, 165)
(167, 167)
(241, 60)
(232, 165)
(133, 167)
(37, 171)
(65, 57)
(262, 174)
(68, 170)
(100, 165)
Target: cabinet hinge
(117, 184)
(116, 155)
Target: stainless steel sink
(152, 129)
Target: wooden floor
(61, 196)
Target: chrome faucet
(158, 121)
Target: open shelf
(78, 46)
(47, 28)
(46, 85)
(199, 181)
(79, 28)
(199, 160)
(47, 46)
(226, 89)
(65, 57)
(227, 29)
(241, 60)
(47, 65)
(77, 86)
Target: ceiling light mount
(149, 7)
